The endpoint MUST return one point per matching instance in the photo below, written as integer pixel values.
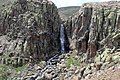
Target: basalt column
(95, 28)
(30, 29)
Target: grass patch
(72, 61)
(19, 69)
(4, 72)
(9, 72)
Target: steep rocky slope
(94, 34)
(29, 30)
(95, 27)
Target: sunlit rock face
(97, 26)
(29, 29)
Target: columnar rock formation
(95, 27)
(30, 32)
(29, 29)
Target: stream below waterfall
(51, 63)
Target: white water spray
(62, 38)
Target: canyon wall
(29, 30)
(96, 27)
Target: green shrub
(72, 61)
(19, 69)
(4, 72)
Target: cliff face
(31, 31)
(28, 29)
(96, 27)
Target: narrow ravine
(51, 64)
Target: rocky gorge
(35, 44)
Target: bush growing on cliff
(72, 61)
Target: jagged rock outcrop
(94, 27)
(29, 30)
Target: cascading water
(62, 38)
(51, 63)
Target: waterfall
(62, 38)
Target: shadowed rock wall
(29, 29)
